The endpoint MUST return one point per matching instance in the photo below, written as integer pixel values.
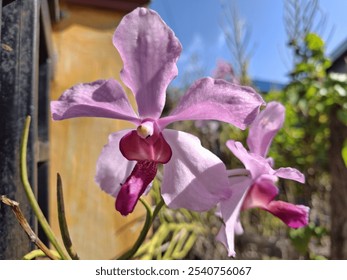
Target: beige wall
(84, 53)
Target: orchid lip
(153, 148)
(135, 185)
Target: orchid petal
(209, 99)
(194, 178)
(257, 165)
(112, 168)
(295, 216)
(149, 50)
(133, 147)
(222, 237)
(230, 209)
(290, 173)
(102, 98)
(237, 176)
(265, 127)
(238, 227)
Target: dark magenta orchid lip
(154, 148)
(135, 185)
(148, 147)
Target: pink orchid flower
(254, 186)
(193, 178)
(224, 70)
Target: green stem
(30, 195)
(150, 216)
(157, 208)
(39, 254)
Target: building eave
(118, 5)
(340, 51)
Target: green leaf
(314, 42)
(342, 116)
(344, 152)
(64, 230)
(327, 63)
(301, 67)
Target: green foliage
(302, 237)
(174, 234)
(314, 43)
(303, 142)
(344, 152)
(309, 98)
(174, 237)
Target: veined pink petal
(133, 147)
(130, 192)
(290, 173)
(257, 165)
(102, 98)
(295, 216)
(194, 178)
(149, 50)
(209, 99)
(265, 127)
(112, 167)
(230, 209)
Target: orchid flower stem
(150, 216)
(30, 195)
(158, 208)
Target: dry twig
(25, 225)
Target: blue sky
(197, 24)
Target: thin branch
(25, 225)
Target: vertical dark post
(338, 170)
(24, 74)
(338, 195)
(45, 75)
